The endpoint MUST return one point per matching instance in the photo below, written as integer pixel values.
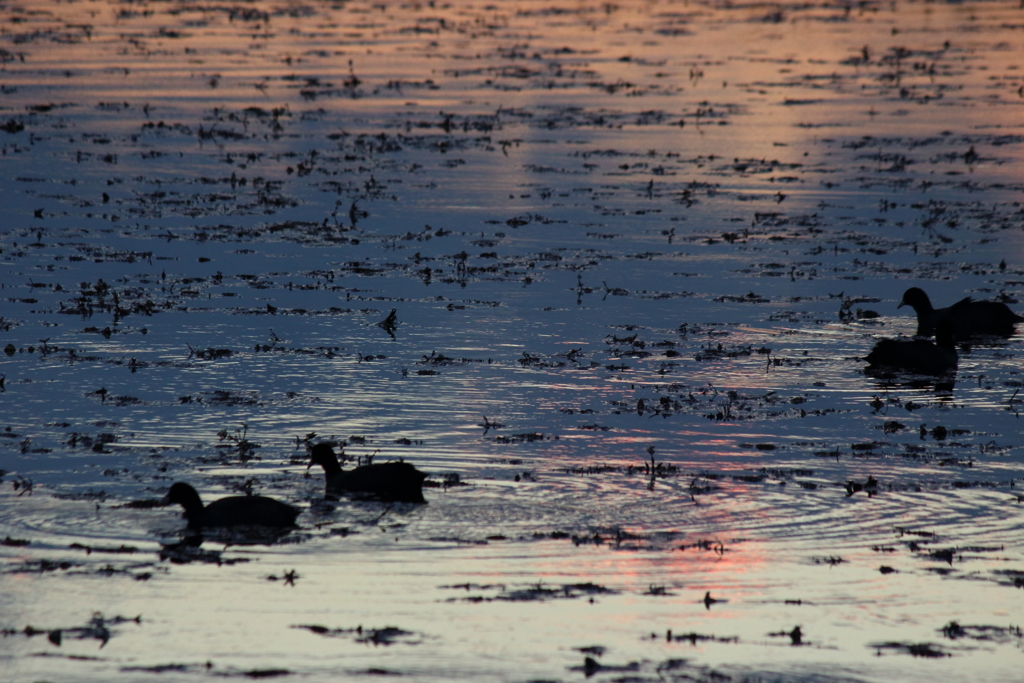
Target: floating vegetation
(538, 592)
(98, 628)
(649, 245)
(388, 635)
(926, 650)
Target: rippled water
(613, 235)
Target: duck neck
(329, 462)
(193, 505)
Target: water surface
(637, 253)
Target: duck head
(916, 299)
(322, 454)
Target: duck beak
(166, 500)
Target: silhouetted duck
(968, 318)
(397, 482)
(916, 355)
(231, 511)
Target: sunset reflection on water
(637, 253)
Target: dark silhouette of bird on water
(230, 511)
(393, 482)
(967, 318)
(919, 356)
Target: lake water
(637, 252)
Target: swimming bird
(968, 318)
(394, 482)
(231, 511)
(917, 355)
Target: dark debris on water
(98, 628)
(387, 635)
(535, 593)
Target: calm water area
(636, 253)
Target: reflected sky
(617, 237)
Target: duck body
(917, 355)
(393, 482)
(967, 318)
(231, 511)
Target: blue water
(615, 237)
